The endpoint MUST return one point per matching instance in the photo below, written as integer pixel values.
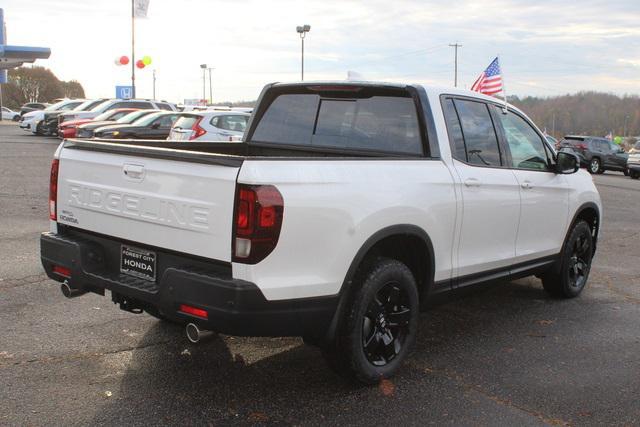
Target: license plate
(138, 262)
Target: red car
(68, 129)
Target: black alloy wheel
(385, 324)
(378, 324)
(570, 274)
(580, 261)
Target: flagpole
(504, 88)
(133, 54)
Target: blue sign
(124, 92)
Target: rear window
(377, 123)
(185, 122)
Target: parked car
(52, 119)
(633, 163)
(596, 154)
(209, 126)
(32, 106)
(111, 104)
(68, 129)
(348, 206)
(86, 130)
(8, 114)
(152, 126)
(34, 120)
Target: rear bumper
(233, 306)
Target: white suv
(210, 126)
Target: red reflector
(198, 312)
(63, 271)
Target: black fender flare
(583, 207)
(394, 230)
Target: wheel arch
(589, 212)
(407, 243)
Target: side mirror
(155, 126)
(567, 163)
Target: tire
(16, 118)
(569, 277)
(39, 129)
(595, 166)
(379, 323)
(634, 174)
(626, 172)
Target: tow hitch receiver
(127, 304)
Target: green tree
(37, 84)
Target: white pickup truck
(347, 206)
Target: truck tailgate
(150, 196)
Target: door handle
(472, 182)
(526, 185)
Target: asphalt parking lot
(502, 355)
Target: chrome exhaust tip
(70, 292)
(195, 334)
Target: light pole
(303, 30)
(210, 86)
(204, 73)
(455, 45)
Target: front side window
(166, 121)
(479, 134)
(526, 146)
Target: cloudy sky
(546, 47)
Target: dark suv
(595, 153)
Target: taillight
(258, 220)
(197, 130)
(53, 189)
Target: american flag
(490, 81)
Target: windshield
(132, 117)
(57, 105)
(98, 108)
(108, 115)
(146, 120)
(84, 105)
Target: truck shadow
(262, 380)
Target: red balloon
(140, 64)
(124, 60)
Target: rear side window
(234, 123)
(377, 123)
(455, 131)
(479, 134)
(163, 106)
